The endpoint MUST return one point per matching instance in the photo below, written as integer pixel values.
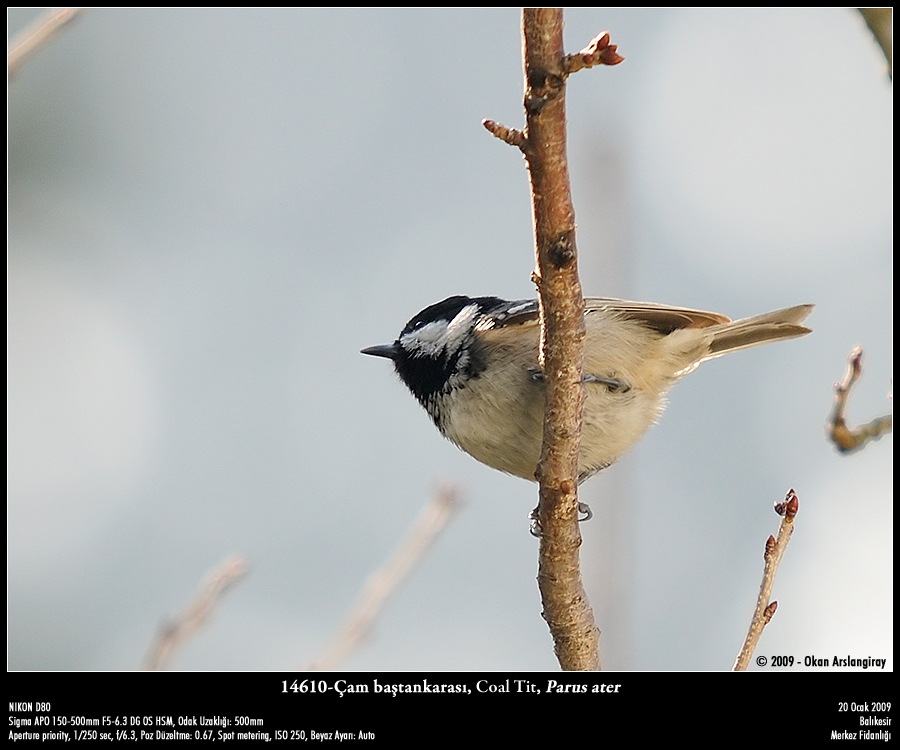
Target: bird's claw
(534, 522)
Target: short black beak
(384, 350)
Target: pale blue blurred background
(211, 212)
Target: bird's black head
(436, 351)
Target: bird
(473, 364)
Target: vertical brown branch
(543, 142)
(566, 608)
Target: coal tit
(472, 362)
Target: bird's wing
(661, 318)
(517, 313)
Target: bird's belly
(503, 427)
(613, 422)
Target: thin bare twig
(597, 52)
(509, 135)
(773, 554)
(36, 35)
(384, 582)
(843, 437)
(174, 633)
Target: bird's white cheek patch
(427, 341)
(439, 336)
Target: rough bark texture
(566, 608)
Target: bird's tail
(773, 326)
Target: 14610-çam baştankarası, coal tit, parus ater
(472, 362)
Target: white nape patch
(440, 335)
(461, 326)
